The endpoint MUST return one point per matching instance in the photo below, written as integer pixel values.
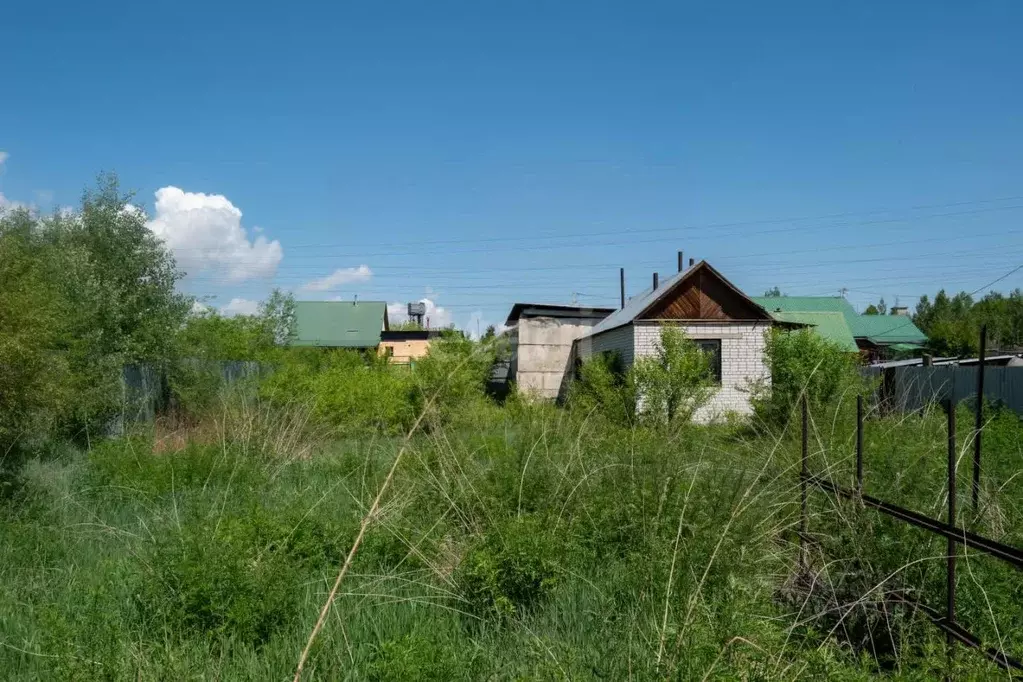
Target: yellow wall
(403, 352)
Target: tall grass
(515, 542)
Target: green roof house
(874, 334)
(339, 324)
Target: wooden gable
(704, 294)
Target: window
(713, 348)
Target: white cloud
(436, 316)
(3, 157)
(205, 233)
(240, 306)
(10, 204)
(339, 277)
(199, 308)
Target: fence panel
(908, 389)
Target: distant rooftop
(556, 310)
(877, 329)
(339, 324)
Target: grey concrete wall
(543, 351)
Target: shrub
(512, 568)
(605, 387)
(453, 374)
(414, 657)
(803, 361)
(674, 382)
(223, 578)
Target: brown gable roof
(733, 304)
(702, 293)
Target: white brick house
(712, 312)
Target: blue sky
(482, 153)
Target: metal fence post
(950, 605)
(979, 425)
(859, 444)
(804, 472)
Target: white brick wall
(620, 340)
(742, 361)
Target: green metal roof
(878, 329)
(339, 324)
(806, 304)
(887, 329)
(830, 325)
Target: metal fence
(955, 535)
(908, 389)
(145, 390)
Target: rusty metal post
(859, 444)
(804, 472)
(950, 594)
(979, 425)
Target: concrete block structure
(541, 343)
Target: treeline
(952, 323)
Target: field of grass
(519, 542)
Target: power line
(704, 227)
(1010, 272)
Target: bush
(675, 382)
(606, 388)
(665, 389)
(511, 569)
(223, 578)
(801, 362)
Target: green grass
(524, 542)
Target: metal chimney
(692, 262)
(681, 262)
(621, 277)
(655, 281)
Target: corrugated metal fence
(906, 389)
(145, 391)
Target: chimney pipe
(655, 281)
(681, 262)
(692, 262)
(621, 277)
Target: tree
(33, 372)
(949, 323)
(675, 381)
(774, 292)
(277, 314)
(490, 332)
(879, 309)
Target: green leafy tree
(33, 370)
(773, 292)
(880, 308)
(277, 315)
(675, 381)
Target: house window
(713, 348)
